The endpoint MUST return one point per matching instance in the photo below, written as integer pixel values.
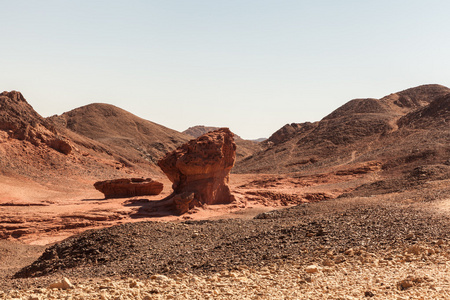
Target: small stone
(133, 284)
(410, 236)
(312, 269)
(64, 284)
(349, 252)
(368, 294)
(339, 259)
(405, 284)
(159, 277)
(328, 262)
(408, 258)
(414, 249)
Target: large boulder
(199, 171)
(129, 187)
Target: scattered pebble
(348, 280)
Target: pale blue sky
(252, 66)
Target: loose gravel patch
(356, 278)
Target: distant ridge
(199, 130)
(101, 141)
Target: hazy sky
(252, 66)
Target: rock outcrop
(129, 187)
(200, 171)
(20, 121)
(288, 131)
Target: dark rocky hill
(388, 130)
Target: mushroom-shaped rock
(129, 187)
(200, 171)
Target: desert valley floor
(318, 247)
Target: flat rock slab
(129, 187)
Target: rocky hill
(18, 120)
(31, 146)
(408, 126)
(435, 115)
(199, 130)
(136, 140)
(97, 141)
(245, 148)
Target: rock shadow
(96, 199)
(148, 209)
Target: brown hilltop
(135, 139)
(29, 144)
(410, 99)
(16, 113)
(362, 130)
(287, 131)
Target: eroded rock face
(129, 187)
(20, 121)
(200, 170)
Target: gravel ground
(360, 247)
(362, 275)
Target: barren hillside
(125, 134)
(34, 148)
(94, 142)
(407, 126)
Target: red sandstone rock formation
(129, 187)
(200, 171)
